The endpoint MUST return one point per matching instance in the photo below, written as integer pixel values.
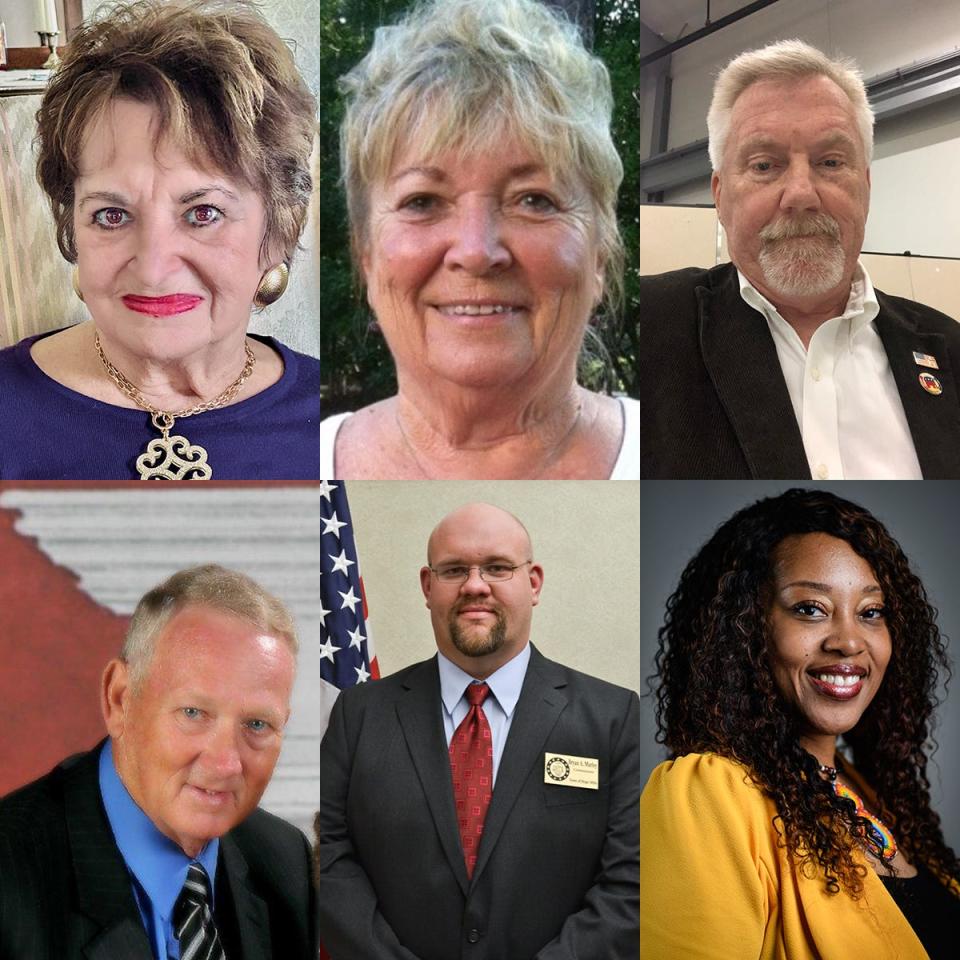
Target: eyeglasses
(489, 572)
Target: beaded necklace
(878, 831)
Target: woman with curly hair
(798, 623)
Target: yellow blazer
(715, 884)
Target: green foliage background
(356, 365)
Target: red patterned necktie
(471, 761)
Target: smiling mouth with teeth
(477, 310)
(837, 686)
(838, 680)
(210, 793)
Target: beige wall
(675, 237)
(586, 535)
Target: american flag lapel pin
(925, 360)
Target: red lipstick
(838, 681)
(162, 306)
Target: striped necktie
(193, 921)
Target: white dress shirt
(842, 389)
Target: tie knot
(477, 693)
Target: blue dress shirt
(505, 685)
(157, 866)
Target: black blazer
(65, 892)
(713, 401)
(558, 871)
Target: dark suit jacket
(713, 401)
(558, 870)
(65, 892)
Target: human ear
(536, 581)
(426, 583)
(115, 696)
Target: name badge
(567, 771)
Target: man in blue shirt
(151, 845)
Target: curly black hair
(715, 690)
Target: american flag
(346, 649)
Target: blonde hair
(224, 85)
(459, 74)
(209, 585)
(784, 60)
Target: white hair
(209, 585)
(784, 60)
(463, 74)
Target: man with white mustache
(786, 362)
(481, 804)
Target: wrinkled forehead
(124, 132)
(813, 107)
(219, 653)
(432, 135)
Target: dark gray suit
(65, 892)
(558, 870)
(713, 401)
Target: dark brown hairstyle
(716, 693)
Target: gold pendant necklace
(173, 457)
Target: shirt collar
(505, 684)
(157, 863)
(862, 306)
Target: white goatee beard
(802, 258)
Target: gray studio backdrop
(678, 516)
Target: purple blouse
(50, 432)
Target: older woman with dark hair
(174, 145)
(799, 623)
(481, 183)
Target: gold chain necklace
(166, 457)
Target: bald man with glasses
(484, 803)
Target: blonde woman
(481, 186)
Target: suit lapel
(125, 938)
(104, 891)
(542, 700)
(419, 715)
(742, 362)
(934, 420)
(253, 918)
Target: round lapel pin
(930, 383)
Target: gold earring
(272, 285)
(76, 283)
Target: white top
(842, 389)
(627, 466)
